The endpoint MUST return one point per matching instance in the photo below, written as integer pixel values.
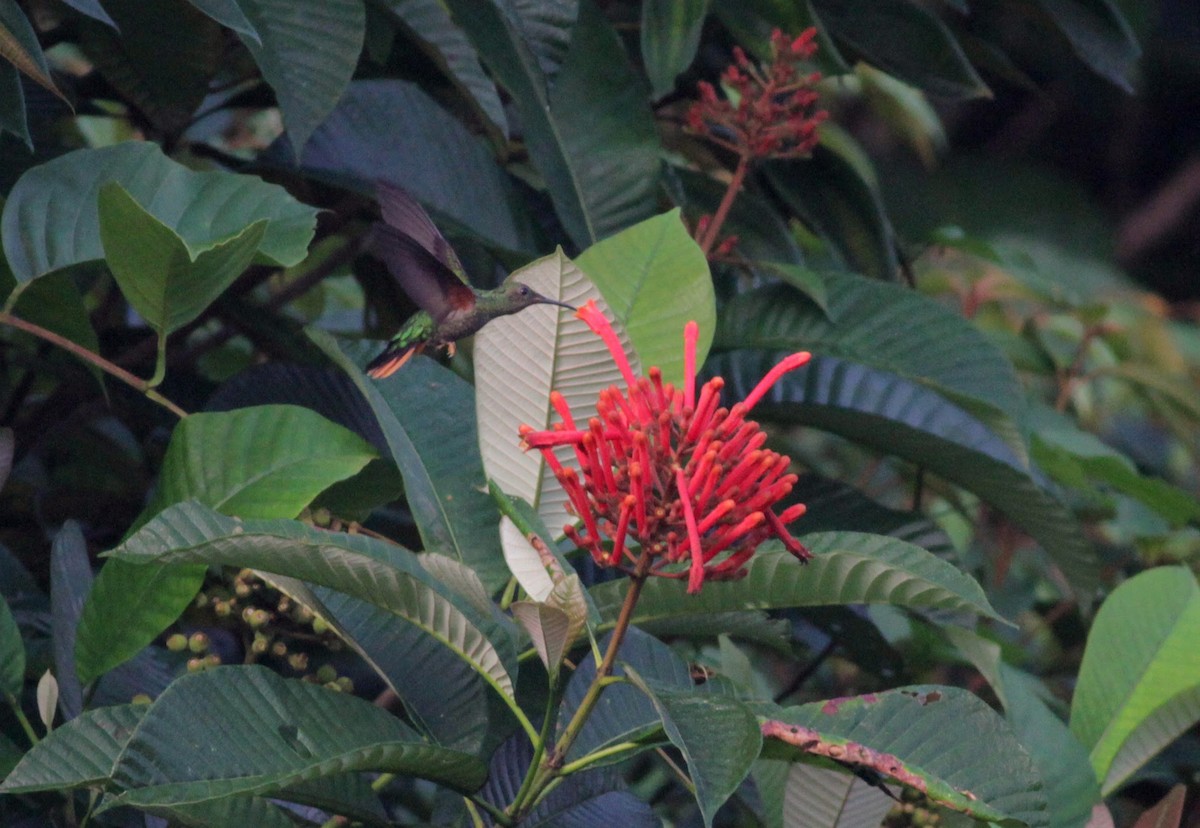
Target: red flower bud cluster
(774, 114)
(686, 479)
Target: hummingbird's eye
(524, 290)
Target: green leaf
(847, 568)
(51, 218)
(519, 360)
(830, 196)
(655, 279)
(390, 125)
(70, 585)
(161, 59)
(1100, 36)
(623, 713)
(54, 302)
(453, 711)
(670, 37)
(307, 53)
(816, 797)
(426, 420)
(12, 653)
(229, 14)
(448, 47)
(592, 137)
(927, 737)
(1139, 683)
(12, 105)
(888, 327)
(166, 282)
(19, 46)
(281, 733)
(1059, 758)
(906, 40)
(265, 461)
(80, 753)
(380, 573)
(895, 416)
(718, 736)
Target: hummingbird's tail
(392, 360)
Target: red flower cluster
(775, 113)
(687, 479)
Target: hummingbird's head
(520, 295)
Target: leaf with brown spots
(942, 741)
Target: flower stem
(552, 764)
(95, 359)
(712, 232)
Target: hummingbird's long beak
(544, 301)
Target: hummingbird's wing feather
(429, 282)
(403, 212)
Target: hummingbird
(422, 261)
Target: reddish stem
(710, 235)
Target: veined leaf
(51, 218)
(384, 128)
(362, 567)
(847, 568)
(519, 360)
(307, 51)
(80, 753)
(1139, 683)
(272, 734)
(895, 416)
(71, 584)
(166, 281)
(432, 442)
(718, 736)
(816, 797)
(591, 135)
(266, 461)
(655, 279)
(927, 737)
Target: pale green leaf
(655, 279)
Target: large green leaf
(816, 797)
(1060, 759)
(718, 736)
(425, 416)
(884, 326)
(895, 416)
(834, 200)
(655, 279)
(924, 736)
(265, 461)
(448, 46)
(1100, 36)
(591, 135)
(905, 39)
(244, 730)
(70, 586)
(623, 713)
(307, 51)
(452, 711)
(391, 129)
(228, 13)
(1139, 683)
(519, 360)
(51, 218)
(12, 653)
(54, 303)
(160, 56)
(80, 753)
(847, 568)
(670, 37)
(167, 281)
(371, 570)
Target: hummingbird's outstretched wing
(426, 280)
(402, 211)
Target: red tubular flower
(685, 478)
(775, 115)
